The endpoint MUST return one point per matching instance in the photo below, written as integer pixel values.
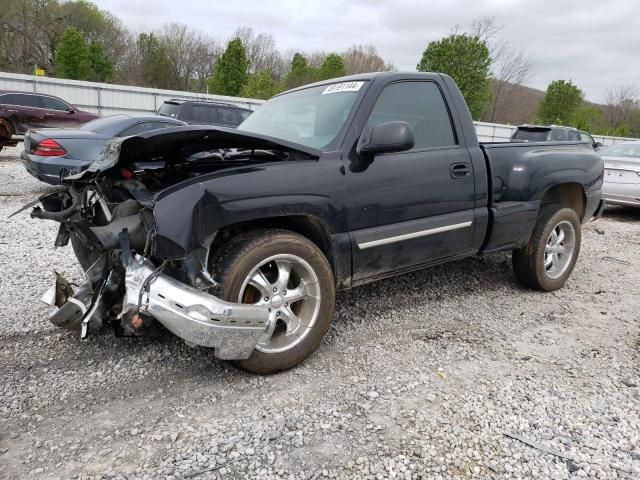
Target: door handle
(49, 114)
(460, 170)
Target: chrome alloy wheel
(558, 252)
(290, 287)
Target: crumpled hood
(182, 142)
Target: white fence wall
(108, 99)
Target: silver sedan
(622, 174)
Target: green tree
(466, 59)
(260, 85)
(231, 70)
(72, 56)
(154, 63)
(591, 119)
(560, 103)
(300, 72)
(101, 65)
(332, 67)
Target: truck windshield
(312, 117)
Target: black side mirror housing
(597, 145)
(71, 110)
(387, 137)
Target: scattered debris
(538, 446)
(617, 260)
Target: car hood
(183, 142)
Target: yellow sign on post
(40, 72)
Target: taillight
(49, 148)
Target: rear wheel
(288, 273)
(547, 260)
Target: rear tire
(289, 273)
(547, 260)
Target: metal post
(99, 90)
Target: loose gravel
(453, 372)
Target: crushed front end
(133, 280)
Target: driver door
(415, 207)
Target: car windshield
(312, 117)
(102, 123)
(631, 150)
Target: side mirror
(597, 145)
(71, 110)
(386, 137)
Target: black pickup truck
(238, 239)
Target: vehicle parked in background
(49, 154)
(586, 137)
(325, 187)
(552, 133)
(622, 174)
(21, 111)
(205, 112)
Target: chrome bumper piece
(233, 329)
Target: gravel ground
(429, 375)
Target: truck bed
(519, 174)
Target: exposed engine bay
(124, 237)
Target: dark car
(545, 133)
(51, 153)
(21, 111)
(205, 112)
(325, 187)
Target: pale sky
(594, 43)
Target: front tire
(289, 273)
(547, 260)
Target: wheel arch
(309, 226)
(569, 194)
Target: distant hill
(518, 108)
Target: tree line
(489, 72)
(75, 39)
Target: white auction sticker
(343, 87)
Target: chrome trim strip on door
(408, 236)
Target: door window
(422, 106)
(559, 134)
(203, 114)
(55, 104)
(573, 135)
(159, 125)
(23, 100)
(228, 116)
(134, 130)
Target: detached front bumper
(233, 329)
